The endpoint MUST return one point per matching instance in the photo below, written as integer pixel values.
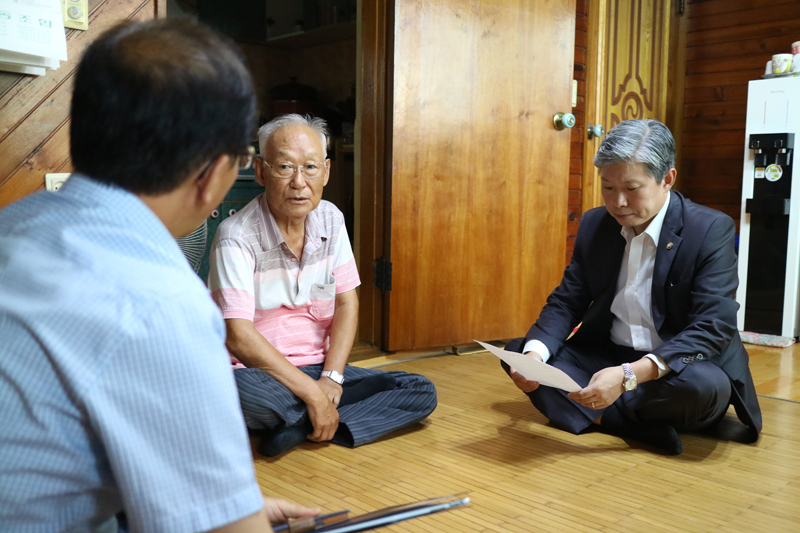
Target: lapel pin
(669, 246)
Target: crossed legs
(377, 403)
(690, 400)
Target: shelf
(322, 35)
(780, 75)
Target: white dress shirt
(633, 324)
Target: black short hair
(154, 101)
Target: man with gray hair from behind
(651, 288)
(283, 274)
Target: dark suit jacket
(693, 295)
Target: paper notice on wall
(535, 370)
(32, 33)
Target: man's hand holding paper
(529, 372)
(523, 383)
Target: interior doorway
(303, 57)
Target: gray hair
(315, 123)
(638, 141)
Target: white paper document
(17, 58)
(33, 27)
(534, 370)
(22, 69)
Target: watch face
(630, 384)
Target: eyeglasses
(285, 170)
(246, 160)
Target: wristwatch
(335, 376)
(630, 382)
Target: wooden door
(479, 175)
(628, 67)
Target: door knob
(563, 120)
(595, 131)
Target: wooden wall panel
(728, 44)
(34, 111)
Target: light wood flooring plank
(522, 475)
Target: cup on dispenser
(795, 57)
(781, 63)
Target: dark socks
(282, 439)
(364, 388)
(658, 434)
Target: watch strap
(630, 383)
(333, 375)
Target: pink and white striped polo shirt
(255, 276)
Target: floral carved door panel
(627, 72)
(636, 70)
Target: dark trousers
(266, 404)
(690, 400)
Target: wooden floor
(486, 440)
(776, 371)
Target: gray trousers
(267, 404)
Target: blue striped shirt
(116, 390)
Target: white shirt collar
(654, 228)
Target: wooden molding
(676, 80)
(160, 9)
(595, 99)
(371, 159)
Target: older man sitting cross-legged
(284, 275)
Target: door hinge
(383, 274)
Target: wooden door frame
(676, 77)
(595, 99)
(373, 159)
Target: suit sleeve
(711, 296)
(568, 302)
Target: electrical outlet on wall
(53, 182)
(76, 14)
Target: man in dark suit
(652, 284)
